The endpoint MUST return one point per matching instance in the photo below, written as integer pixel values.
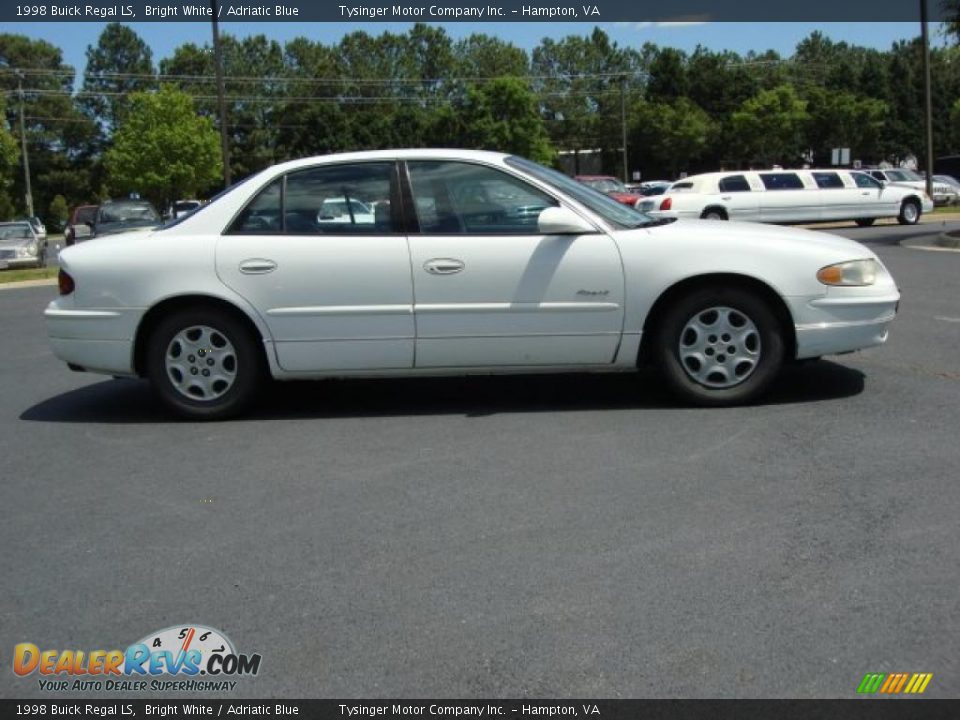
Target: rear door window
(828, 181)
(782, 181)
(734, 183)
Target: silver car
(20, 247)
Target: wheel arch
(717, 208)
(691, 284)
(175, 303)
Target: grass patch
(9, 276)
(947, 210)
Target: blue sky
(73, 38)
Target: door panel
(335, 291)
(514, 297)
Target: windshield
(606, 185)
(610, 210)
(127, 213)
(15, 232)
(902, 176)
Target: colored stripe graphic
(894, 683)
(871, 682)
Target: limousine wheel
(203, 364)
(909, 212)
(714, 214)
(720, 346)
(866, 222)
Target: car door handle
(257, 266)
(443, 266)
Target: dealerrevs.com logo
(178, 658)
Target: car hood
(746, 233)
(9, 244)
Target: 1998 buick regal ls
(429, 262)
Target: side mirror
(562, 221)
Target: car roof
(594, 177)
(398, 154)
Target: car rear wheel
(866, 222)
(204, 364)
(909, 213)
(713, 214)
(719, 346)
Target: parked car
(942, 193)
(654, 187)
(82, 215)
(36, 223)
(20, 247)
(457, 282)
(122, 216)
(182, 208)
(950, 190)
(612, 187)
(790, 196)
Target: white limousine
(467, 262)
(790, 196)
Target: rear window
(782, 181)
(827, 180)
(87, 214)
(734, 183)
(686, 185)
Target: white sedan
(451, 278)
(790, 196)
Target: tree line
(128, 123)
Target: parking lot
(556, 536)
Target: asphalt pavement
(556, 536)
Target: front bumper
(12, 263)
(843, 321)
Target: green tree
(770, 126)
(56, 129)
(119, 64)
(58, 212)
(163, 149)
(501, 114)
(671, 135)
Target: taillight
(65, 282)
(666, 204)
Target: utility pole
(928, 101)
(27, 194)
(221, 101)
(623, 125)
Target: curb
(28, 284)
(946, 240)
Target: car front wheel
(719, 346)
(204, 364)
(909, 213)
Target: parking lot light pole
(221, 101)
(623, 125)
(28, 195)
(928, 101)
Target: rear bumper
(95, 340)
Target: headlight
(852, 273)
(28, 250)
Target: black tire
(866, 222)
(768, 345)
(247, 366)
(909, 212)
(713, 214)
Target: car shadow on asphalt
(132, 401)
